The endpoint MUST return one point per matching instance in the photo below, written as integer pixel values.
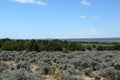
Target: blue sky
(39, 19)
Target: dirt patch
(11, 64)
(47, 77)
(87, 78)
(102, 78)
(33, 67)
(95, 72)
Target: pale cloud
(95, 17)
(90, 32)
(85, 2)
(30, 2)
(82, 17)
(91, 17)
(93, 31)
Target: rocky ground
(77, 65)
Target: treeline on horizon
(53, 45)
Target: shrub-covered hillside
(77, 65)
(54, 45)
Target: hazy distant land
(94, 39)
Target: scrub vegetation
(56, 65)
(55, 45)
(58, 60)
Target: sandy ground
(33, 67)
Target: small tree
(65, 50)
(6, 46)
